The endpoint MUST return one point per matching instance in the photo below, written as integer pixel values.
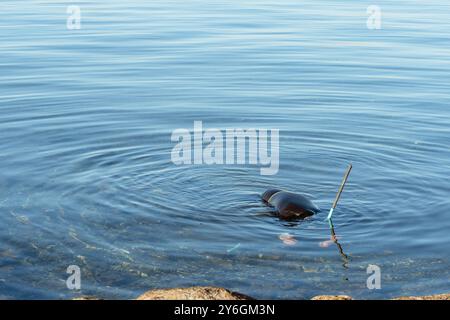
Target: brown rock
(193, 293)
(341, 297)
(444, 296)
(86, 298)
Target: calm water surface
(86, 118)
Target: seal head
(290, 205)
(268, 194)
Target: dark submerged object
(290, 205)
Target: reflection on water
(335, 238)
(86, 118)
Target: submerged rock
(193, 293)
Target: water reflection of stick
(335, 240)
(338, 195)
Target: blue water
(86, 118)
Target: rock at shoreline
(216, 293)
(193, 293)
(332, 298)
(85, 298)
(444, 296)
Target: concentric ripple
(86, 119)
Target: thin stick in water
(341, 188)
